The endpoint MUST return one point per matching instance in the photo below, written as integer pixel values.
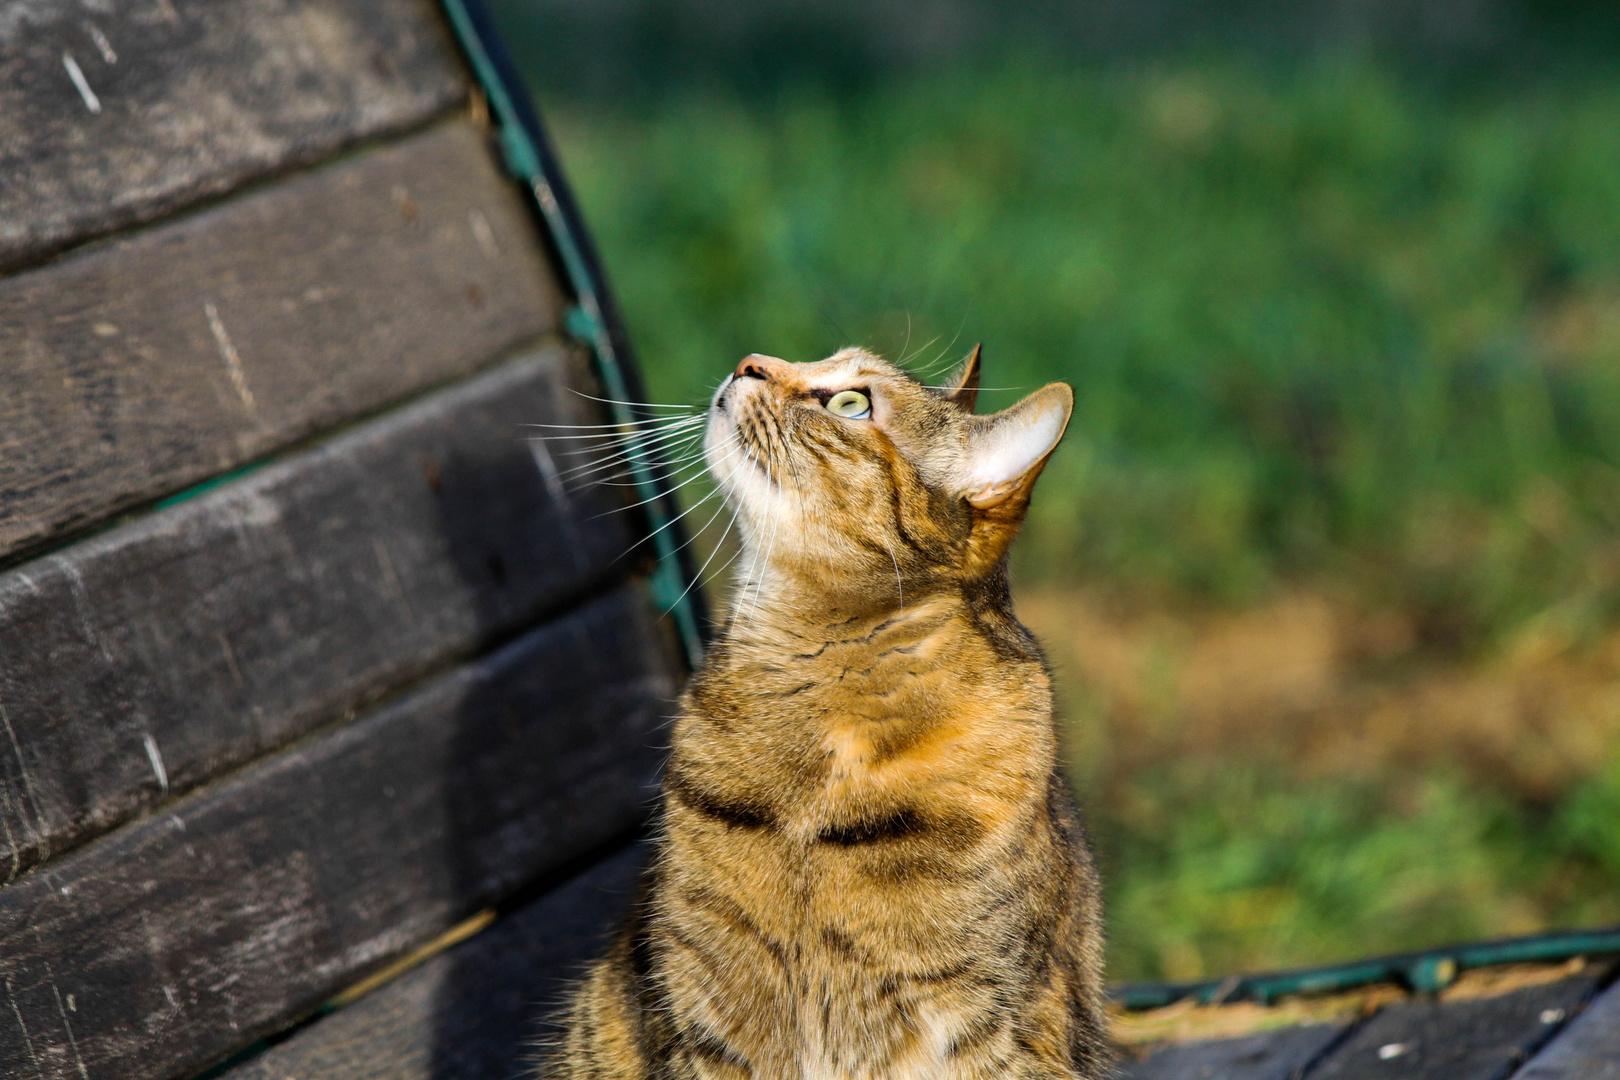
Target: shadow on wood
(491, 1003)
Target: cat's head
(849, 476)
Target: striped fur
(868, 866)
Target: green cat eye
(851, 404)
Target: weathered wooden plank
(475, 1013)
(1480, 1039)
(169, 944)
(1282, 1054)
(142, 366)
(145, 660)
(1587, 1049)
(113, 114)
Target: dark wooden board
(476, 1012)
(171, 943)
(145, 660)
(1481, 1039)
(1282, 1054)
(1588, 1048)
(192, 98)
(142, 366)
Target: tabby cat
(868, 866)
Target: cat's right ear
(1006, 451)
(964, 382)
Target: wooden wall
(305, 656)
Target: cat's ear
(1006, 451)
(964, 382)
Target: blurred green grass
(1330, 325)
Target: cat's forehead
(847, 366)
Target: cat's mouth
(732, 456)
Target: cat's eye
(851, 404)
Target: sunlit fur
(868, 866)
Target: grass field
(1329, 564)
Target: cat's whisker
(718, 511)
(634, 453)
(628, 440)
(653, 457)
(718, 547)
(603, 457)
(632, 404)
(650, 421)
(637, 454)
(899, 585)
(655, 498)
(661, 470)
(760, 565)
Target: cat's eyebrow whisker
(949, 389)
(905, 357)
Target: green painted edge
(670, 589)
(1424, 972)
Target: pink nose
(755, 366)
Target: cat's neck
(766, 625)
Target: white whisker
(631, 404)
(655, 421)
(634, 453)
(630, 447)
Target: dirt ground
(1331, 688)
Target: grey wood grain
(143, 661)
(171, 943)
(1282, 1054)
(1588, 1048)
(182, 99)
(477, 1012)
(142, 366)
(1481, 1039)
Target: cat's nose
(755, 366)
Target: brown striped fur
(868, 866)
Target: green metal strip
(1424, 972)
(670, 588)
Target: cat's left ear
(1006, 451)
(964, 382)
